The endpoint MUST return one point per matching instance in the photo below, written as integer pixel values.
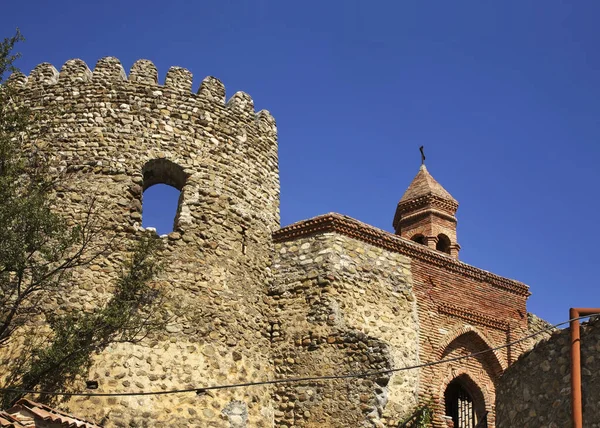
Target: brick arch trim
(457, 332)
(421, 230)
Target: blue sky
(504, 95)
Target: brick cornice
(423, 212)
(427, 203)
(432, 200)
(473, 317)
(352, 228)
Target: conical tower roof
(423, 185)
(426, 214)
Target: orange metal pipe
(576, 406)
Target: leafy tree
(39, 251)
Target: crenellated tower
(426, 214)
(113, 136)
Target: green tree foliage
(128, 316)
(33, 241)
(39, 251)
(7, 57)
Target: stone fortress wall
(343, 306)
(535, 392)
(115, 135)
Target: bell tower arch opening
(163, 183)
(419, 239)
(443, 243)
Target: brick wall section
(535, 392)
(452, 305)
(428, 224)
(343, 306)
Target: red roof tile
(25, 413)
(424, 184)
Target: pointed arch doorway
(464, 403)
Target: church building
(388, 286)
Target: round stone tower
(113, 136)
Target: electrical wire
(204, 389)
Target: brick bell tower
(426, 214)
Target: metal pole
(576, 406)
(576, 412)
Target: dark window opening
(91, 384)
(419, 239)
(464, 404)
(443, 244)
(161, 201)
(459, 405)
(244, 243)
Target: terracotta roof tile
(7, 420)
(424, 184)
(25, 413)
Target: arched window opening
(459, 405)
(419, 239)
(161, 202)
(160, 206)
(443, 244)
(464, 404)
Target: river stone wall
(342, 306)
(113, 135)
(535, 392)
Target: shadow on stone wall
(535, 391)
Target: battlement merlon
(178, 81)
(104, 123)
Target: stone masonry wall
(535, 392)
(343, 306)
(112, 136)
